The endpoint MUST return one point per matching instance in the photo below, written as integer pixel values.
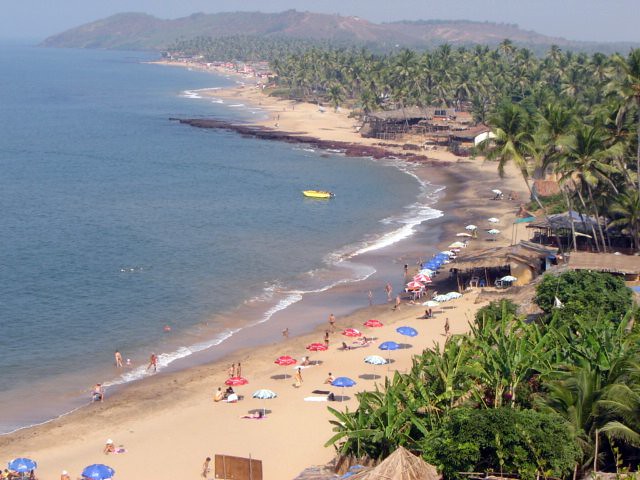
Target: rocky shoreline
(348, 148)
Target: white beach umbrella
(464, 234)
(493, 231)
(449, 253)
(492, 220)
(453, 295)
(441, 298)
(428, 272)
(264, 394)
(508, 278)
(471, 227)
(457, 245)
(496, 191)
(430, 304)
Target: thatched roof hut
(628, 265)
(526, 260)
(400, 465)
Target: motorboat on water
(317, 194)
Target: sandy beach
(168, 424)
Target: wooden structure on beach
(626, 265)
(525, 261)
(436, 123)
(228, 467)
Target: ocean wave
(166, 359)
(236, 105)
(190, 94)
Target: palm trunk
(638, 139)
(593, 230)
(595, 209)
(544, 210)
(570, 209)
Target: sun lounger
(315, 399)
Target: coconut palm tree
(627, 85)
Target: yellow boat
(317, 194)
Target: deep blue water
(117, 221)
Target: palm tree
(628, 86)
(586, 158)
(626, 209)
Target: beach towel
(320, 392)
(315, 399)
(251, 417)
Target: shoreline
(168, 394)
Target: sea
(125, 230)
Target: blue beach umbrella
(407, 331)
(98, 471)
(22, 465)
(343, 382)
(388, 346)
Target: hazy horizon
(586, 20)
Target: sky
(593, 20)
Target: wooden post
(595, 455)
(250, 468)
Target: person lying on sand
(259, 415)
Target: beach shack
(524, 261)
(627, 266)
(559, 227)
(391, 124)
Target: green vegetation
(516, 397)
(584, 294)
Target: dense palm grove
(571, 115)
(516, 397)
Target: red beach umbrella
(414, 285)
(317, 347)
(352, 332)
(373, 323)
(422, 278)
(236, 381)
(285, 361)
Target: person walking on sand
(239, 370)
(397, 305)
(153, 363)
(206, 467)
(389, 290)
(232, 370)
(118, 358)
(332, 322)
(298, 378)
(446, 327)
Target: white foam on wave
(166, 359)
(237, 105)
(190, 94)
(217, 100)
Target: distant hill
(139, 31)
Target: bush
(594, 295)
(502, 440)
